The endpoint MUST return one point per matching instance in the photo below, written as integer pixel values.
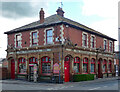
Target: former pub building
(58, 46)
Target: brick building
(59, 46)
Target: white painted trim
(31, 37)
(45, 34)
(94, 41)
(16, 39)
(82, 39)
(62, 33)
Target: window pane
(85, 68)
(76, 67)
(92, 67)
(34, 35)
(49, 33)
(104, 66)
(105, 44)
(22, 65)
(18, 37)
(49, 40)
(18, 44)
(46, 68)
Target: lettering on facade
(91, 53)
(30, 51)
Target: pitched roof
(57, 19)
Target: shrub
(83, 77)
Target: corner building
(76, 48)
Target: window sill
(84, 73)
(77, 73)
(22, 73)
(104, 72)
(46, 74)
(109, 72)
(92, 73)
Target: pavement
(10, 81)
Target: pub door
(67, 69)
(99, 75)
(31, 73)
(12, 69)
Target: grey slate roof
(56, 19)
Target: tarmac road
(98, 84)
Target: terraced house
(58, 46)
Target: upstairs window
(18, 40)
(34, 38)
(92, 42)
(49, 36)
(105, 45)
(110, 48)
(85, 40)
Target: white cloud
(103, 8)
(106, 9)
(7, 25)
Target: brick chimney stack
(60, 12)
(41, 15)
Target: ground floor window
(85, 65)
(33, 60)
(92, 65)
(46, 65)
(104, 66)
(109, 66)
(76, 64)
(21, 65)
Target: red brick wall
(26, 38)
(99, 42)
(3, 73)
(75, 36)
(11, 39)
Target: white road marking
(95, 88)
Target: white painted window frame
(106, 44)
(16, 40)
(94, 42)
(50, 28)
(82, 39)
(31, 37)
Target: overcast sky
(101, 15)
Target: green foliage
(83, 77)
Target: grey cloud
(21, 9)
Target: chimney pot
(41, 15)
(60, 12)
